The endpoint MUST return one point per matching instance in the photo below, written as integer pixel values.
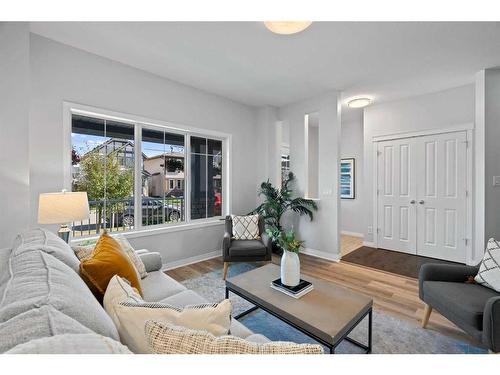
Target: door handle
(413, 201)
(421, 202)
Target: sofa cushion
(165, 338)
(188, 297)
(44, 240)
(4, 269)
(89, 343)
(247, 248)
(239, 330)
(461, 302)
(158, 286)
(36, 323)
(183, 298)
(257, 338)
(37, 279)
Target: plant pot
(290, 268)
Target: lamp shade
(62, 207)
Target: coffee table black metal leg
(227, 293)
(370, 322)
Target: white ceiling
(245, 62)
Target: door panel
(396, 190)
(441, 196)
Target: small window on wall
(206, 178)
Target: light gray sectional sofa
(45, 307)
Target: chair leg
(226, 267)
(427, 314)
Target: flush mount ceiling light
(287, 27)
(359, 102)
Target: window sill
(159, 230)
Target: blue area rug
(390, 334)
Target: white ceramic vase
(290, 268)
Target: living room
(198, 187)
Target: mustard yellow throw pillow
(107, 260)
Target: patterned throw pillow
(129, 250)
(245, 227)
(165, 338)
(489, 270)
(83, 252)
(130, 313)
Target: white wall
(490, 114)
(61, 73)
(431, 111)
(14, 122)
(322, 234)
(352, 212)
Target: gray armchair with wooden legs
(244, 250)
(472, 307)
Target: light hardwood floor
(349, 243)
(392, 294)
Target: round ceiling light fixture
(287, 27)
(360, 102)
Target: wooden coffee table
(327, 314)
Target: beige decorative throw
(130, 313)
(245, 227)
(165, 338)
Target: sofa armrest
(268, 243)
(226, 243)
(491, 324)
(152, 261)
(444, 272)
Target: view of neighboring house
(157, 177)
(164, 177)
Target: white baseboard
(194, 259)
(368, 243)
(217, 253)
(321, 254)
(352, 234)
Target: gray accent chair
(244, 250)
(472, 307)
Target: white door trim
(468, 128)
(419, 133)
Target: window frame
(70, 109)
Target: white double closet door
(421, 195)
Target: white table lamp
(62, 208)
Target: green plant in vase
(290, 262)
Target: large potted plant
(277, 201)
(290, 262)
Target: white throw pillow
(489, 270)
(130, 313)
(165, 338)
(245, 227)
